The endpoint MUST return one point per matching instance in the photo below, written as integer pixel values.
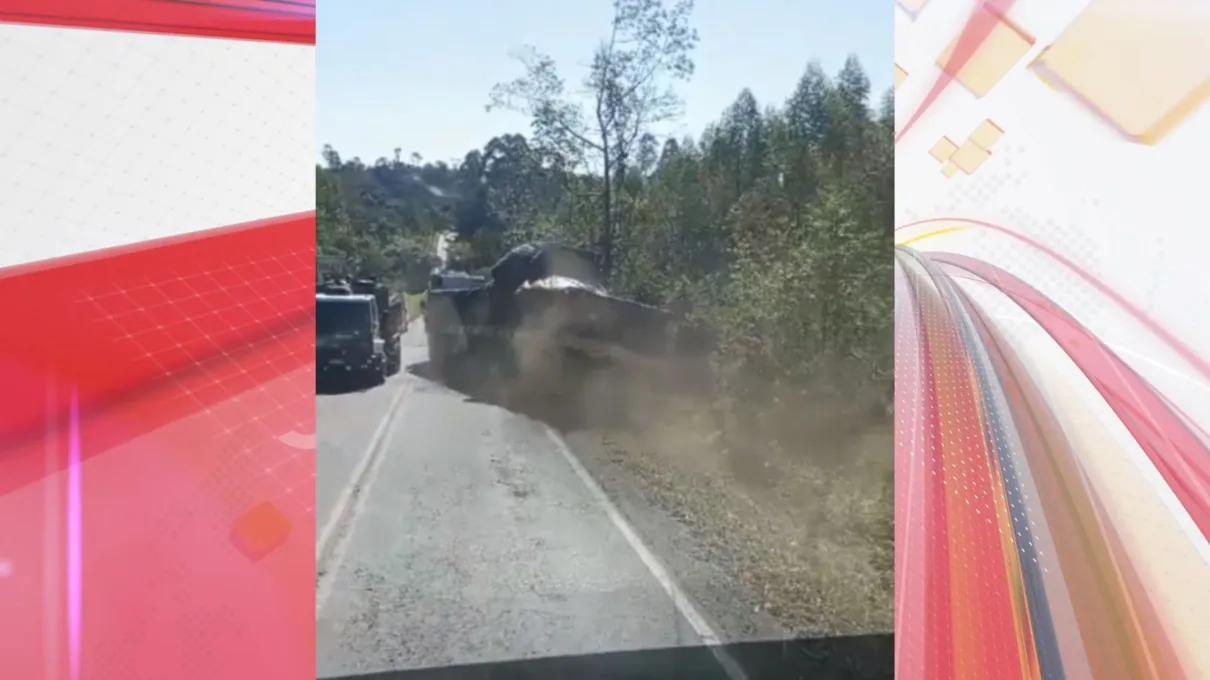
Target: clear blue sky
(416, 75)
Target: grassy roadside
(813, 545)
(788, 490)
(796, 503)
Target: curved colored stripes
(1180, 456)
(1017, 556)
(1133, 310)
(1051, 374)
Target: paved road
(473, 538)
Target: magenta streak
(977, 30)
(75, 579)
(910, 485)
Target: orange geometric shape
(1001, 44)
(900, 76)
(1143, 66)
(949, 169)
(969, 157)
(987, 134)
(260, 531)
(943, 149)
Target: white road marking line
(323, 587)
(680, 600)
(348, 494)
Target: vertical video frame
(604, 339)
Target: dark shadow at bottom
(866, 657)
(337, 383)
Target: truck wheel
(378, 372)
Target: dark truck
(359, 326)
(541, 305)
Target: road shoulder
(734, 612)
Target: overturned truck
(542, 316)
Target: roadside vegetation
(415, 304)
(773, 226)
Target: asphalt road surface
(453, 532)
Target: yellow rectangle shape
(969, 157)
(1141, 65)
(943, 149)
(900, 76)
(991, 46)
(987, 134)
(949, 169)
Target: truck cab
(347, 336)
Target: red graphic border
(76, 314)
(282, 21)
(156, 524)
(168, 372)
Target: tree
(774, 224)
(650, 46)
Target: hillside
(776, 219)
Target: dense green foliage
(774, 224)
